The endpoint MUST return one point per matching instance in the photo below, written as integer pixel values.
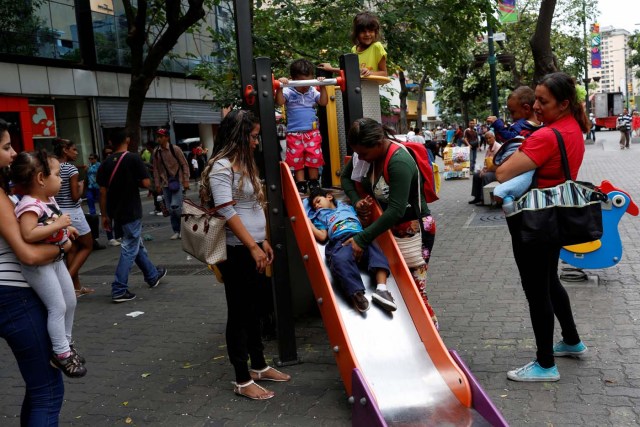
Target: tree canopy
(154, 27)
(428, 41)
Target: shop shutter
(194, 112)
(113, 113)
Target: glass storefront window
(110, 33)
(48, 29)
(42, 28)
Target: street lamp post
(492, 71)
(626, 77)
(586, 58)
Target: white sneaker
(158, 213)
(175, 236)
(114, 242)
(153, 213)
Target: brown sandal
(237, 389)
(84, 291)
(268, 374)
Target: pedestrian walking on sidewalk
(23, 317)
(120, 177)
(171, 177)
(232, 176)
(557, 107)
(624, 126)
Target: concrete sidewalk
(169, 365)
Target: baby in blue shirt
(336, 222)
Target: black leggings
(538, 267)
(241, 281)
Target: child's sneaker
(532, 372)
(302, 187)
(75, 353)
(385, 300)
(70, 366)
(313, 184)
(360, 301)
(561, 349)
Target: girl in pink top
(37, 176)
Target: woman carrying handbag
(232, 175)
(557, 107)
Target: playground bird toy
(607, 251)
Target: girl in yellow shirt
(365, 36)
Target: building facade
(615, 75)
(64, 67)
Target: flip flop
(84, 291)
(259, 374)
(237, 389)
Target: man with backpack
(171, 177)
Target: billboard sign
(43, 121)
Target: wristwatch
(61, 255)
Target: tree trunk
(402, 125)
(137, 95)
(144, 67)
(423, 81)
(540, 42)
(464, 112)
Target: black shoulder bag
(567, 214)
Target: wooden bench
(487, 193)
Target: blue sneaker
(534, 372)
(562, 349)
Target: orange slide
(348, 343)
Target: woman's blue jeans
(23, 324)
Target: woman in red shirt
(557, 107)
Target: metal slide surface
(407, 386)
(386, 347)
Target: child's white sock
(381, 287)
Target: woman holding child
(232, 176)
(557, 107)
(23, 317)
(405, 210)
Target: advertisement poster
(596, 59)
(43, 121)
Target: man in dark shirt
(120, 176)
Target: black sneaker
(384, 299)
(127, 296)
(302, 187)
(70, 366)
(360, 302)
(161, 273)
